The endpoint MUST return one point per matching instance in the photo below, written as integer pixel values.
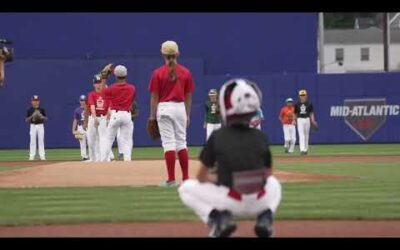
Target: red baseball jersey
(121, 96)
(101, 104)
(168, 90)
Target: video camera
(6, 52)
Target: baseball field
(335, 191)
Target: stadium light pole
(321, 42)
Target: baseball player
(36, 116)
(286, 116)
(171, 86)
(134, 115)
(244, 185)
(121, 96)
(257, 119)
(304, 112)
(97, 121)
(77, 127)
(212, 117)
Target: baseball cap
(82, 98)
(120, 71)
(35, 98)
(212, 92)
(289, 100)
(97, 78)
(169, 48)
(302, 92)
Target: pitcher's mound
(135, 173)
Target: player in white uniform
(212, 115)
(77, 127)
(121, 96)
(304, 112)
(97, 121)
(36, 116)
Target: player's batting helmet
(239, 98)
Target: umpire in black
(244, 185)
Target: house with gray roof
(359, 50)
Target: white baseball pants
(36, 131)
(96, 137)
(83, 142)
(289, 134)
(210, 127)
(303, 127)
(204, 197)
(172, 122)
(119, 120)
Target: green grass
(374, 193)
(5, 168)
(157, 153)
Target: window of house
(364, 54)
(339, 55)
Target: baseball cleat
(263, 227)
(221, 223)
(303, 152)
(286, 150)
(121, 157)
(85, 159)
(168, 184)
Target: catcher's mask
(239, 101)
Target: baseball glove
(107, 70)
(79, 136)
(314, 126)
(37, 116)
(152, 129)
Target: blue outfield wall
(60, 82)
(58, 53)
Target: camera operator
(6, 55)
(2, 60)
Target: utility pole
(321, 42)
(386, 41)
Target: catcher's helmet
(239, 98)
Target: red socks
(184, 162)
(170, 160)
